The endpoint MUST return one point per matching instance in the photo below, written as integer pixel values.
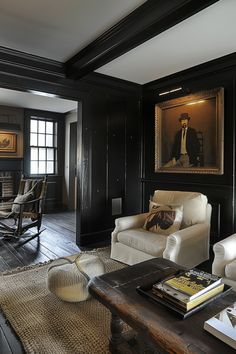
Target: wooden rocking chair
(20, 213)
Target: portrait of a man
(189, 133)
(186, 146)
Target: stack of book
(188, 289)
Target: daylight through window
(43, 146)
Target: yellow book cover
(193, 282)
(188, 305)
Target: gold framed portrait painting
(7, 142)
(189, 133)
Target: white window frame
(46, 148)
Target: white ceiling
(207, 35)
(34, 101)
(58, 29)
(54, 29)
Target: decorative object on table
(189, 133)
(223, 325)
(68, 278)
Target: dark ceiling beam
(145, 22)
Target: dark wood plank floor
(57, 240)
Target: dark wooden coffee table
(155, 329)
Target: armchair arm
(188, 247)
(225, 252)
(128, 222)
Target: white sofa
(189, 246)
(224, 264)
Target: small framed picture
(7, 142)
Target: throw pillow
(164, 219)
(21, 199)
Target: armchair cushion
(164, 219)
(142, 240)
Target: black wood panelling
(111, 158)
(220, 189)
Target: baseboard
(94, 238)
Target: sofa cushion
(143, 240)
(230, 270)
(194, 204)
(164, 219)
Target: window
(43, 146)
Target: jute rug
(47, 325)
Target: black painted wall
(220, 189)
(111, 149)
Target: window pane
(42, 154)
(41, 126)
(50, 154)
(33, 139)
(49, 127)
(34, 154)
(41, 141)
(55, 141)
(33, 167)
(56, 162)
(34, 126)
(49, 140)
(42, 167)
(50, 167)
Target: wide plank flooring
(57, 240)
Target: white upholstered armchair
(224, 264)
(188, 246)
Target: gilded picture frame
(7, 142)
(204, 116)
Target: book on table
(193, 282)
(223, 325)
(188, 289)
(181, 300)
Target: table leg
(116, 333)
